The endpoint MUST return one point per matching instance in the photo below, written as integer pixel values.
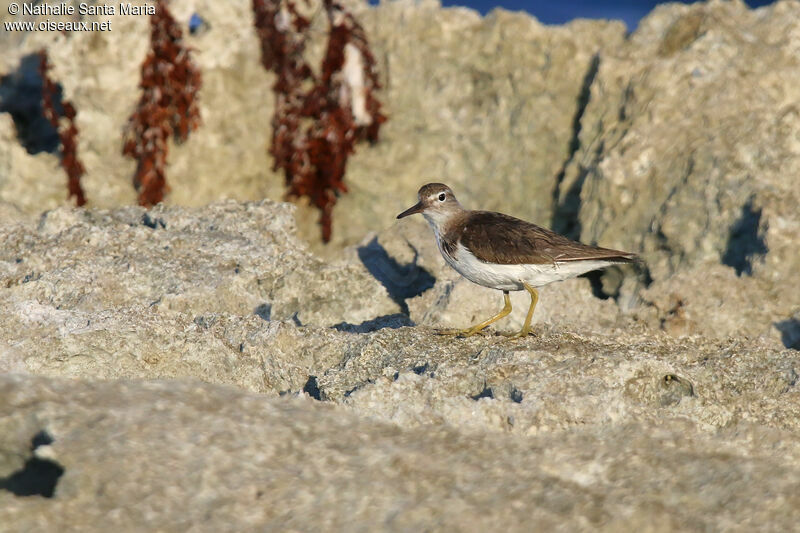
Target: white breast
(510, 277)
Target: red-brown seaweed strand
(68, 135)
(314, 158)
(168, 106)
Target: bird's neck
(441, 222)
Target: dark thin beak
(416, 208)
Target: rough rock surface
(227, 258)
(690, 152)
(210, 458)
(468, 98)
(195, 338)
(600, 421)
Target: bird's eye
(442, 197)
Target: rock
(687, 145)
(226, 258)
(468, 97)
(710, 300)
(227, 294)
(185, 455)
(222, 376)
(42, 185)
(790, 331)
(11, 360)
(561, 422)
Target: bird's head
(437, 204)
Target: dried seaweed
(68, 134)
(168, 107)
(318, 118)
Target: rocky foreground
(225, 379)
(208, 365)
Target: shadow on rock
(21, 96)
(38, 477)
(395, 321)
(264, 311)
(401, 281)
(790, 333)
(745, 241)
(312, 388)
(566, 207)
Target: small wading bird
(505, 253)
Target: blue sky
(560, 11)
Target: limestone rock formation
(583, 433)
(471, 101)
(587, 423)
(690, 152)
(195, 335)
(226, 258)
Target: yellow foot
(477, 328)
(469, 332)
(519, 335)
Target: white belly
(510, 277)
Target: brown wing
(502, 239)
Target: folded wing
(502, 239)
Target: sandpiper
(505, 253)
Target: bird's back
(506, 240)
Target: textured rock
(467, 97)
(689, 148)
(41, 185)
(671, 403)
(217, 459)
(600, 421)
(225, 258)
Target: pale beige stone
(195, 335)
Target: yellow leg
(478, 327)
(526, 327)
